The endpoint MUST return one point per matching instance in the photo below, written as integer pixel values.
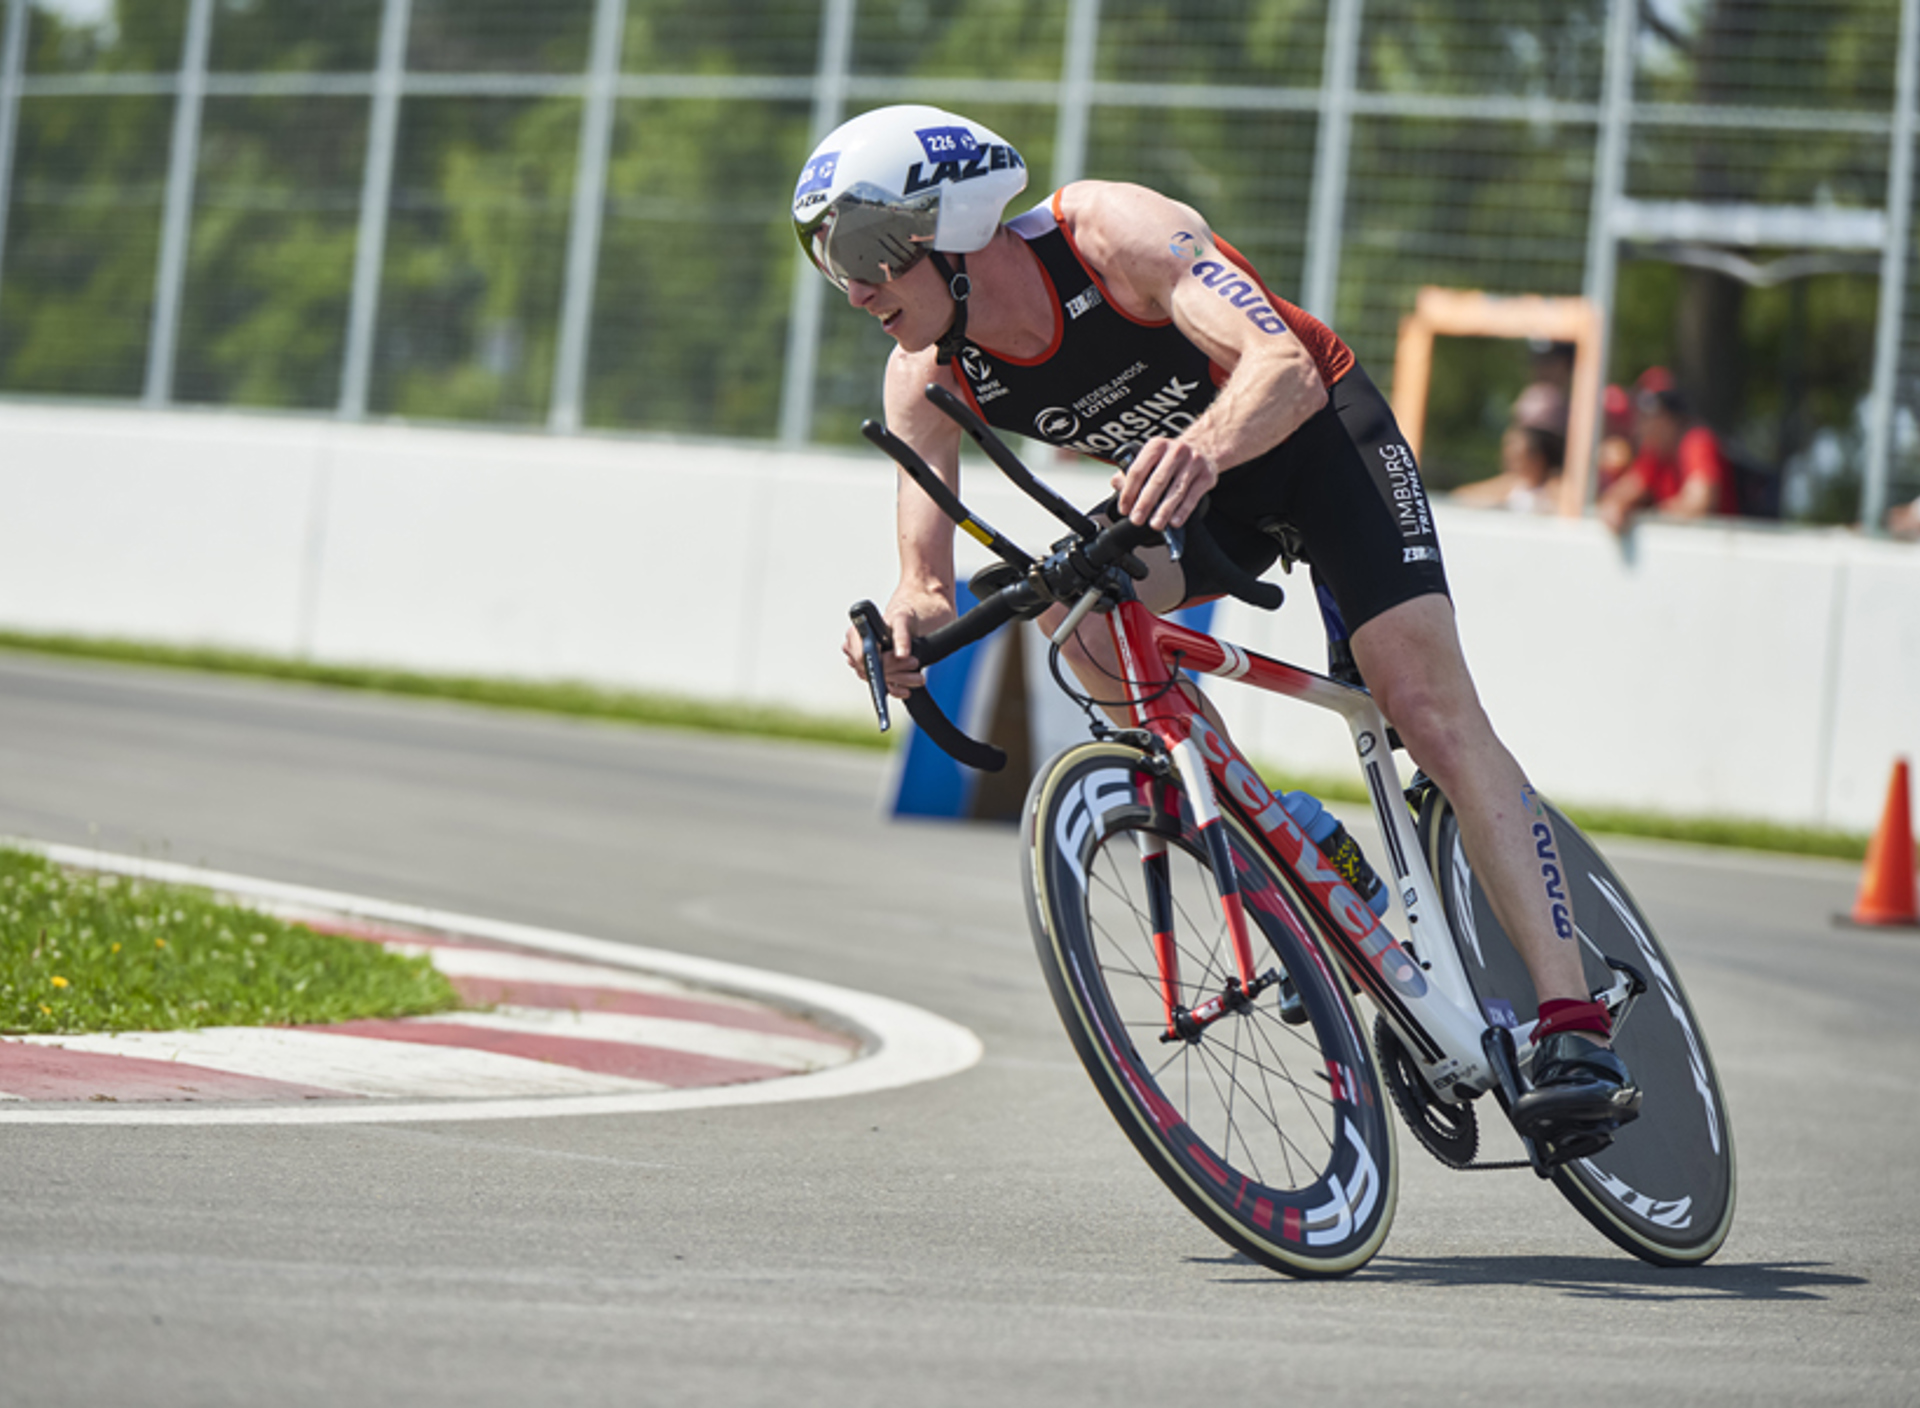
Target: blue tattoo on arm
(1242, 292)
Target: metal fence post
(176, 230)
(589, 208)
(376, 191)
(1076, 92)
(1609, 184)
(1326, 210)
(1882, 400)
(13, 52)
(807, 303)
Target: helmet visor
(869, 235)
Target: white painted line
(905, 1044)
(352, 1065)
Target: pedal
(1577, 1142)
(1561, 1142)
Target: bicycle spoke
(1286, 1140)
(1237, 1070)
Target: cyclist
(1110, 320)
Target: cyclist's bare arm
(1145, 246)
(924, 598)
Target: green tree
(475, 258)
(270, 271)
(83, 238)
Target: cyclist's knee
(1443, 727)
(1442, 735)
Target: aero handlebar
(1082, 564)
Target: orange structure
(1446, 312)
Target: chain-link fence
(572, 213)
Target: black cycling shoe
(1581, 1092)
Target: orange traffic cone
(1887, 893)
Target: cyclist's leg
(1411, 659)
(1369, 532)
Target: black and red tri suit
(1345, 482)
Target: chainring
(1451, 1133)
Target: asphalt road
(989, 1238)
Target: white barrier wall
(1691, 669)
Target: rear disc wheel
(1664, 1188)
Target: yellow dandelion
(116, 948)
(59, 981)
(46, 1009)
(159, 943)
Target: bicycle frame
(1424, 993)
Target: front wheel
(1267, 1123)
(1664, 1188)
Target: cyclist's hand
(1164, 484)
(907, 615)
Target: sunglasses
(872, 236)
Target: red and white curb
(575, 1026)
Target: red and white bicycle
(1204, 955)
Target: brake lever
(875, 638)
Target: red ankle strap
(1562, 1015)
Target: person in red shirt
(1679, 470)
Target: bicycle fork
(1245, 985)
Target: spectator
(1679, 468)
(1552, 363)
(1616, 437)
(1903, 520)
(1532, 451)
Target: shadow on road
(1596, 1277)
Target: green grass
(591, 701)
(81, 952)
(549, 697)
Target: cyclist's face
(913, 309)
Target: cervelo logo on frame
(1241, 292)
(1349, 911)
(957, 155)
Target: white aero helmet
(892, 184)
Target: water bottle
(1323, 828)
